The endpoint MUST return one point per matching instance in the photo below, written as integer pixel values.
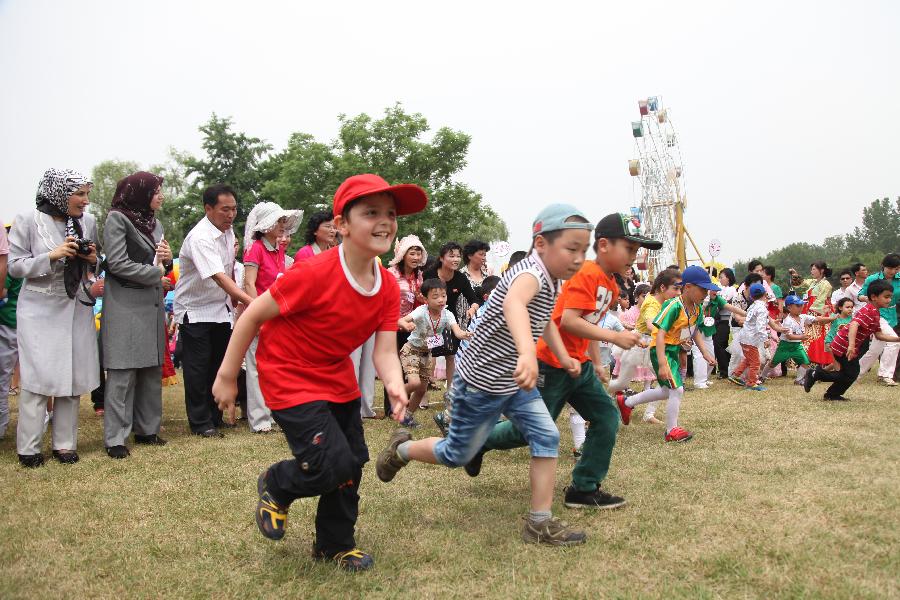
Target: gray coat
(56, 334)
(133, 331)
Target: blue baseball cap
(793, 299)
(553, 218)
(698, 276)
(757, 289)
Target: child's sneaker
(410, 422)
(473, 467)
(651, 419)
(888, 381)
(442, 422)
(271, 517)
(809, 380)
(389, 462)
(596, 499)
(736, 381)
(756, 388)
(677, 434)
(351, 560)
(552, 532)
(624, 411)
(576, 452)
(701, 386)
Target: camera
(84, 245)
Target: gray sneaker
(388, 462)
(552, 532)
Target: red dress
(815, 335)
(169, 376)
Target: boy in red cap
(343, 295)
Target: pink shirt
(269, 262)
(409, 290)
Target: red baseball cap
(409, 198)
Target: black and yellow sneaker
(271, 517)
(351, 560)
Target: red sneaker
(677, 434)
(624, 411)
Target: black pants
(720, 346)
(843, 379)
(326, 439)
(203, 348)
(97, 394)
(402, 337)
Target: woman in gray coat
(133, 328)
(51, 249)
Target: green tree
(880, 231)
(394, 147)
(105, 177)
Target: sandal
(14, 391)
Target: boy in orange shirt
(584, 301)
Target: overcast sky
(786, 111)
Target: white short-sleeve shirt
(206, 250)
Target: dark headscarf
(54, 190)
(132, 199)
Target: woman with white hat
(264, 262)
(407, 265)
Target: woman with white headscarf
(264, 262)
(51, 248)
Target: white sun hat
(265, 216)
(401, 247)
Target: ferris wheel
(658, 173)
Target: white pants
(888, 352)
(365, 375)
(9, 355)
(33, 409)
(701, 367)
(258, 415)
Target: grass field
(778, 495)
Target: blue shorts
(475, 412)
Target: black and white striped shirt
(490, 358)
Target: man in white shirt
(204, 301)
(859, 272)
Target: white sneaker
(701, 386)
(888, 381)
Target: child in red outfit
(342, 295)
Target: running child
(426, 325)
(709, 315)
(498, 372)
(752, 335)
(790, 346)
(676, 323)
(342, 295)
(852, 341)
(844, 315)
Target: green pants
(788, 350)
(586, 395)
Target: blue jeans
(475, 412)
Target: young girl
(844, 315)
(665, 287)
(713, 304)
(675, 324)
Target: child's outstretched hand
(627, 339)
(397, 396)
(526, 372)
(225, 391)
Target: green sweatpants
(586, 395)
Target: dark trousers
(203, 348)
(98, 394)
(326, 439)
(843, 379)
(720, 346)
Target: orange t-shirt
(593, 292)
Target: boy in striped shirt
(852, 341)
(498, 372)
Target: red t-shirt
(591, 291)
(869, 320)
(303, 355)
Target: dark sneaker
(624, 411)
(577, 452)
(117, 452)
(473, 467)
(440, 419)
(552, 532)
(841, 398)
(210, 433)
(736, 381)
(389, 462)
(410, 422)
(596, 499)
(351, 560)
(271, 517)
(150, 440)
(31, 461)
(809, 380)
(69, 457)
